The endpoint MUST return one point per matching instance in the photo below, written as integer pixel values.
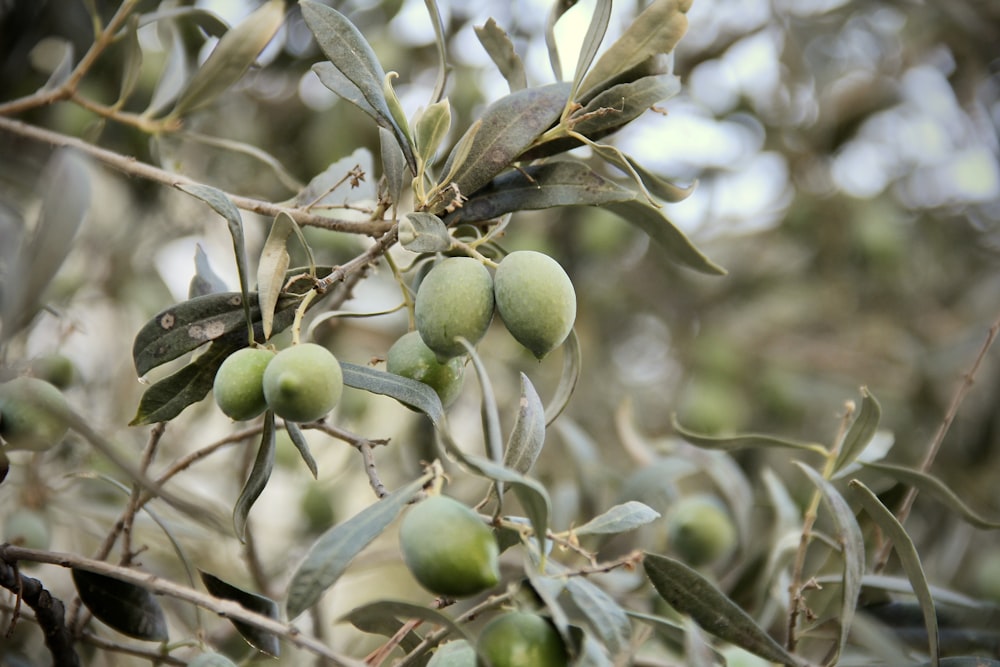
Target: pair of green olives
(530, 290)
(301, 383)
(515, 639)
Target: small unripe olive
(32, 414)
(27, 528)
(239, 383)
(54, 368)
(410, 357)
(535, 299)
(520, 638)
(211, 660)
(458, 653)
(700, 530)
(303, 382)
(455, 298)
(448, 549)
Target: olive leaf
(558, 9)
(410, 392)
(175, 70)
(623, 103)
(63, 68)
(65, 197)
(354, 60)
(168, 397)
(337, 82)
(656, 30)
(552, 184)
(394, 609)
(619, 519)
(122, 606)
(259, 475)
(205, 280)
(440, 42)
(423, 232)
(330, 555)
(501, 51)
(908, 558)
(206, 20)
(298, 439)
(604, 615)
(263, 641)
(592, 41)
(666, 234)
(132, 60)
(689, 592)
(396, 107)
(744, 441)
(572, 361)
(527, 436)
(431, 128)
(271, 269)
(861, 432)
(852, 545)
(223, 205)
(232, 57)
(393, 164)
(508, 127)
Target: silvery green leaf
(623, 103)
(393, 164)
(501, 50)
(861, 432)
(271, 269)
(423, 232)
(431, 128)
(528, 433)
(619, 519)
(592, 40)
(259, 475)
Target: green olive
(27, 528)
(455, 298)
(448, 549)
(535, 299)
(458, 653)
(33, 414)
(239, 383)
(211, 660)
(55, 368)
(303, 382)
(700, 530)
(520, 638)
(410, 357)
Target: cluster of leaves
(512, 158)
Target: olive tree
(353, 478)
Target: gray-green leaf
(619, 519)
(259, 475)
(666, 234)
(861, 432)
(168, 397)
(501, 50)
(410, 392)
(431, 128)
(205, 279)
(423, 232)
(271, 269)
(330, 555)
(744, 441)
(528, 433)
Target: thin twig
(134, 167)
(364, 445)
(225, 608)
(969, 379)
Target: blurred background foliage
(847, 160)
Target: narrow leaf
(205, 279)
(935, 488)
(664, 232)
(224, 206)
(431, 129)
(330, 555)
(852, 547)
(393, 164)
(132, 60)
(572, 361)
(533, 496)
(744, 441)
(298, 439)
(345, 47)
(337, 82)
(690, 593)
(232, 57)
(619, 519)
(501, 50)
(259, 475)
(396, 109)
(490, 409)
(908, 558)
(175, 71)
(654, 31)
(606, 617)
(423, 232)
(406, 610)
(415, 394)
(168, 397)
(65, 196)
(261, 640)
(125, 607)
(548, 185)
(271, 269)
(623, 103)
(208, 21)
(861, 432)
(559, 8)
(63, 69)
(592, 40)
(528, 433)
(440, 41)
(509, 126)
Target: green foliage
(460, 216)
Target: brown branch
(133, 167)
(50, 613)
(225, 608)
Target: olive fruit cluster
(33, 414)
(301, 383)
(514, 639)
(448, 549)
(530, 291)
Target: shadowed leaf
(623, 103)
(606, 617)
(393, 164)
(205, 279)
(259, 475)
(265, 642)
(690, 593)
(330, 555)
(125, 607)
